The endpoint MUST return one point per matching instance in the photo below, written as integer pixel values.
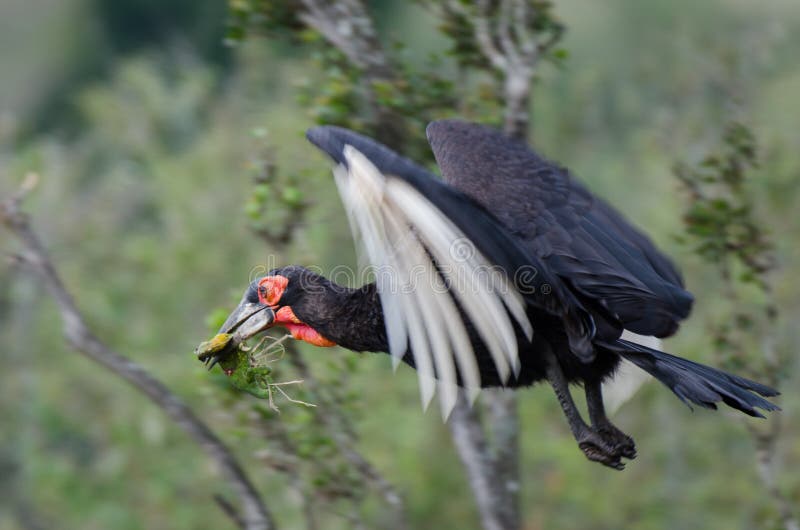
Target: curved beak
(247, 320)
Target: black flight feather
(576, 235)
(521, 210)
(696, 383)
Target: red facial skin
(270, 290)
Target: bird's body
(577, 235)
(353, 319)
(567, 275)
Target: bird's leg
(623, 444)
(593, 445)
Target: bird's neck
(356, 322)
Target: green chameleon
(238, 365)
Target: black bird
(505, 272)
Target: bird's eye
(263, 294)
(271, 288)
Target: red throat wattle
(270, 290)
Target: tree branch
(519, 56)
(229, 510)
(470, 441)
(255, 515)
(504, 446)
(347, 25)
(485, 39)
(504, 33)
(527, 43)
(493, 464)
(338, 427)
(735, 243)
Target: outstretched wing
(581, 238)
(438, 256)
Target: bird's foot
(621, 442)
(599, 447)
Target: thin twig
(504, 33)
(229, 510)
(347, 25)
(485, 40)
(338, 427)
(255, 515)
(527, 43)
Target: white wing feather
(628, 378)
(402, 233)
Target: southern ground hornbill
(505, 272)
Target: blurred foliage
(720, 216)
(142, 207)
(723, 229)
(726, 233)
(110, 31)
(414, 95)
(277, 205)
(456, 22)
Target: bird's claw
(621, 442)
(211, 362)
(598, 453)
(607, 447)
(213, 351)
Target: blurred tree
(722, 228)
(496, 48)
(141, 208)
(315, 447)
(122, 29)
(254, 514)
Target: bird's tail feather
(697, 383)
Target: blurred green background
(145, 129)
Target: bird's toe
(598, 448)
(601, 454)
(621, 443)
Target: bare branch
(522, 16)
(517, 60)
(518, 94)
(504, 446)
(229, 510)
(254, 513)
(504, 33)
(347, 25)
(470, 441)
(546, 45)
(485, 40)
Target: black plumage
(579, 237)
(595, 276)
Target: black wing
(542, 289)
(580, 238)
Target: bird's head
(293, 297)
